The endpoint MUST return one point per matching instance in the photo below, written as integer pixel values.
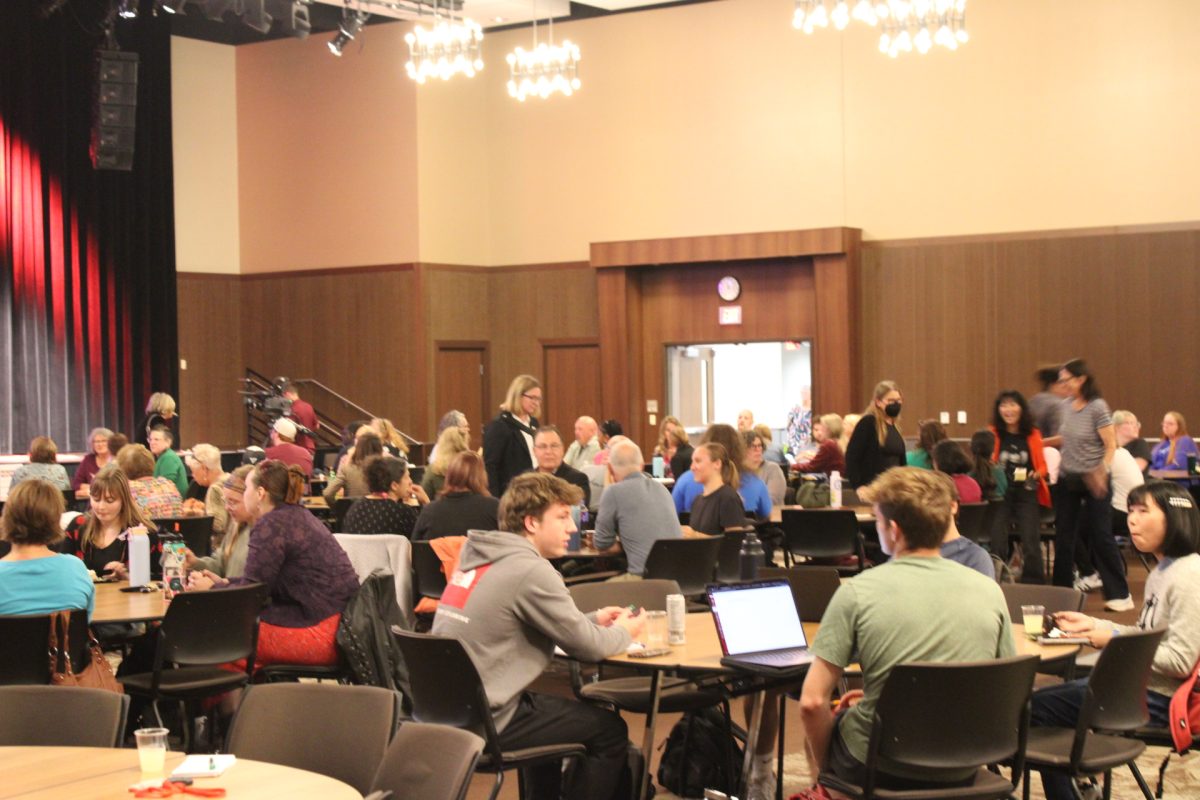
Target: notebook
(758, 625)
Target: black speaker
(115, 119)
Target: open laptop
(758, 625)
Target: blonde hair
(160, 403)
(764, 430)
(680, 435)
(848, 424)
(450, 443)
(881, 427)
(833, 425)
(136, 461)
(717, 452)
(388, 433)
(917, 500)
(519, 386)
(207, 456)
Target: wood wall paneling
(210, 340)
(724, 247)
(461, 371)
(955, 322)
(571, 379)
(459, 310)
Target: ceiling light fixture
(451, 47)
(351, 24)
(906, 24)
(544, 70)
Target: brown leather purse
(96, 675)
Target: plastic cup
(1033, 617)
(152, 750)
(655, 634)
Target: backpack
(1184, 712)
(813, 494)
(697, 756)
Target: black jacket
(865, 459)
(681, 462)
(506, 451)
(572, 475)
(456, 513)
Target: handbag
(813, 494)
(96, 675)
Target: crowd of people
(1061, 454)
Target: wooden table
(95, 773)
(314, 503)
(702, 654)
(113, 605)
(862, 513)
(1171, 474)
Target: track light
(174, 6)
(127, 9)
(350, 26)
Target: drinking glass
(152, 750)
(1033, 617)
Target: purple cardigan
(307, 571)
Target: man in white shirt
(583, 450)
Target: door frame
(569, 341)
(485, 379)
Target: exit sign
(729, 315)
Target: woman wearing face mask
(1163, 520)
(876, 444)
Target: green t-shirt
(170, 466)
(910, 609)
(918, 458)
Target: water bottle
(835, 489)
(583, 517)
(139, 556)
(172, 567)
(751, 557)
(657, 468)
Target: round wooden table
(113, 605)
(53, 773)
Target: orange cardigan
(1037, 456)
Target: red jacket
(1037, 455)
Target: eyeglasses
(756, 446)
(536, 397)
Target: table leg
(648, 737)
(756, 712)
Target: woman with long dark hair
(1084, 491)
(1019, 452)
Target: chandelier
(906, 24)
(451, 47)
(544, 70)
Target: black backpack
(698, 756)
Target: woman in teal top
(929, 433)
(33, 578)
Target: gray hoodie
(510, 607)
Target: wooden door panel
(572, 383)
(461, 378)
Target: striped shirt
(1082, 447)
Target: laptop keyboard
(777, 658)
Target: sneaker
(1120, 604)
(1089, 583)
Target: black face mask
(892, 410)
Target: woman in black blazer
(876, 444)
(508, 439)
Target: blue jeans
(1059, 707)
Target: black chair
(823, 533)
(1054, 599)
(340, 506)
(23, 642)
(339, 731)
(1161, 737)
(974, 522)
(432, 762)
(58, 716)
(1115, 702)
(197, 532)
(689, 562)
(447, 690)
(428, 578)
(971, 729)
(729, 564)
(200, 632)
(812, 587)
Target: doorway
(571, 377)
(462, 378)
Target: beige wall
(204, 125)
(328, 160)
(710, 118)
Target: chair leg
(779, 750)
(157, 716)
(522, 785)
(185, 725)
(1162, 776)
(1107, 784)
(497, 785)
(1025, 785)
(1141, 782)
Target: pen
(212, 764)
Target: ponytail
(283, 483)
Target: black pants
(543, 719)
(1021, 506)
(1075, 505)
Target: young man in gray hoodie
(509, 607)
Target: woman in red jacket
(1019, 453)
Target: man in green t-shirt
(167, 463)
(917, 607)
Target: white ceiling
(489, 13)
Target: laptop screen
(753, 617)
